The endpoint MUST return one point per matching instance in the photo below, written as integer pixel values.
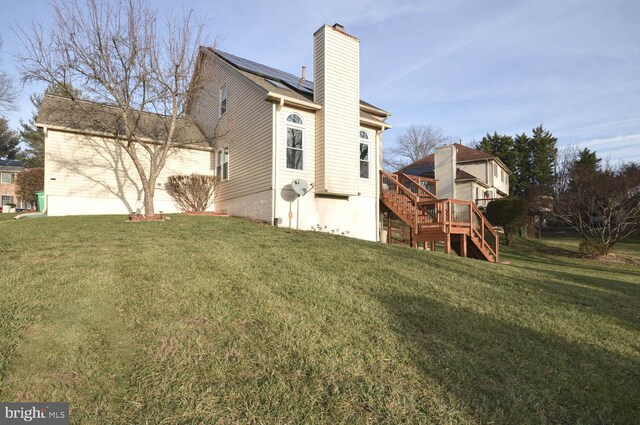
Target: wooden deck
(458, 224)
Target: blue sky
(468, 67)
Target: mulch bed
(142, 217)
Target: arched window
(295, 142)
(295, 118)
(364, 154)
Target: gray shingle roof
(95, 118)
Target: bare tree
(414, 144)
(120, 54)
(601, 204)
(7, 90)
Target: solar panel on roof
(273, 75)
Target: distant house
(9, 169)
(255, 127)
(463, 173)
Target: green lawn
(218, 320)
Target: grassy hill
(204, 320)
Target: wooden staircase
(458, 224)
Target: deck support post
(447, 243)
(389, 227)
(463, 245)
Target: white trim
(368, 161)
(295, 126)
(286, 100)
(367, 142)
(219, 162)
(224, 89)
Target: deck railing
(422, 211)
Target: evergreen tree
(543, 157)
(588, 160)
(9, 141)
(523, 167)
(33, 137)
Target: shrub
(510, 213)
(29, 181)
(192, 193)
(590, 248)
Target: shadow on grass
(539, 253)
(600, 284)
(504, 373)
(615, 299)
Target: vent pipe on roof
(304, 74)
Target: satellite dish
(300, 187)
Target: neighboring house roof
(463, 154)
(286, 84)
(427, 170)
(11, 163)
(462, 176)
(93, 118)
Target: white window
(6, 178)
(364, 154)
(7, 199)
(224, 93)
(495, 169)
(222, 163)
(295, 142)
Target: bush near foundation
(193, 192)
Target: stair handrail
(412, 196)
(418, 185)
(400, 186)
(484, 223)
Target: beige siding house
(258, 129)
(464, 173)
(271, 128)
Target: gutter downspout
(378, 168)
(274, 158)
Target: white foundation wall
(355, 215)
(90, 175)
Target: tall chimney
(445, 169)
(336, 74)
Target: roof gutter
(382, 125)
(375, 111)
(282, 99)
(104, 135)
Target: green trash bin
(39, 200)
